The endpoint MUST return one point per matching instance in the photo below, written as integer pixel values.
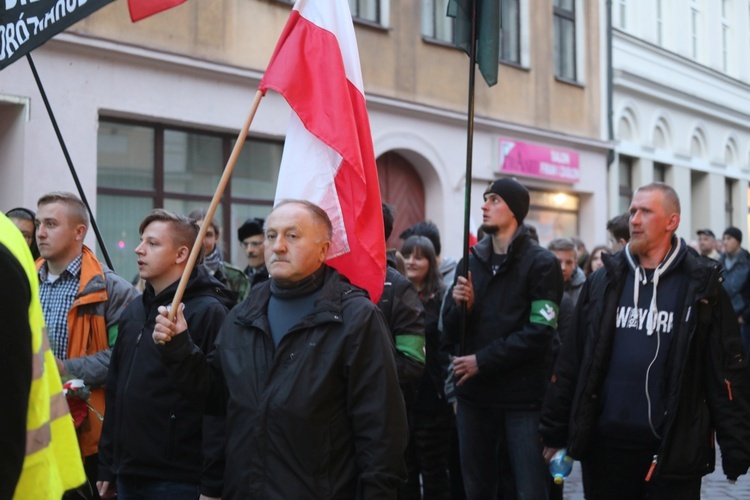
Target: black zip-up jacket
(707, 386)
(510, 327)
(150, 429)
(320, 416)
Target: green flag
(488, 33)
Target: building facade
(681, 106)
(150, 112)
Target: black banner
(26, 24)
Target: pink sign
(533, 160)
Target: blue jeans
(501, 451)
(142, 488)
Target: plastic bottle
(560, 466)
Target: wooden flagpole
(212, 208)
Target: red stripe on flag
(140, 9)
(307, 69)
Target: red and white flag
(328, 155)
(140, 9)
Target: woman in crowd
(594, 261)
(431, 419)
(23, 218)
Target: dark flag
(488, 33)
(26, 25)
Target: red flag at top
(328, 155)
(140, 9)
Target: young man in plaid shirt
(82, 301)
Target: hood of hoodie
(669, 263)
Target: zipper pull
(651, 469)
(729, 388)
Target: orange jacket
(101, 298)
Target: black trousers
(614, 474)
(427, 456)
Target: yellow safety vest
(53, 460)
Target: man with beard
(512, 295)
(652, 367)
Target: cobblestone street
(715, 486)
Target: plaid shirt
(57, 298)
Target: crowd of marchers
(284, 380)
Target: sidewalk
(714, 487)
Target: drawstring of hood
(642, 279)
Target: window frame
(565, 15)
(158, 192)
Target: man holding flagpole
(512, 296)
(304, 369)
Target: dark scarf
(303, 287)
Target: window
(622, 11)
(510, 31)
(367, 10)
(660, 22)
(553, 214)
(625, 184)
(565, 39)
(694, 28)
(660, 172)
(725, 35)
(729, 202)
(141, 166)
(435, 23)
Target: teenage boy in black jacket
(153, 441)
(512, 298)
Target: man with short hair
(736, 262)
(314, 409)
(404, 315)
(652, 368)
(232, 277)
(512, 295)
(144, 447)
(82, 301)
(573, 277)
(707, 243)
(618, 231)
(251, 238)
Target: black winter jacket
(510, 328)
(321, 416)
(150, 429)
(707, 385)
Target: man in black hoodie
(154, 443)
(652, 368)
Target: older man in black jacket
(314, 408)
(651, 368)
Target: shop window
(553, 214)
(141, 166)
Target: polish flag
(140, 9)
(328, 155)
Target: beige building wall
(198, 65)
